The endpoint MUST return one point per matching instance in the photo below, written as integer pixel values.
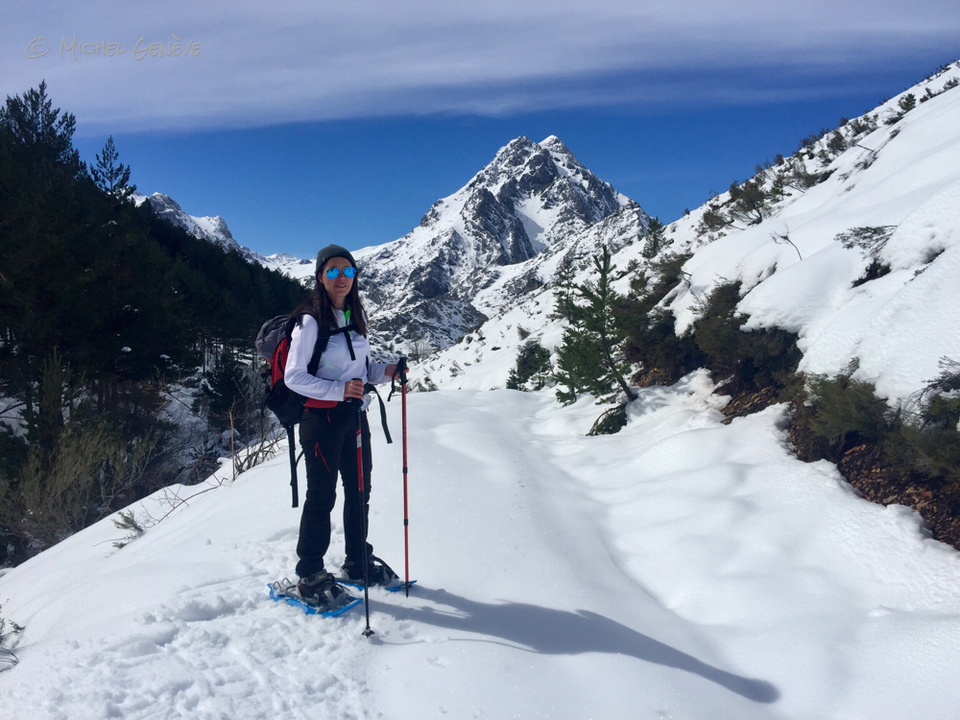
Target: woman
(328, 427)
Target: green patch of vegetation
(532, 370)
(746, 361)
(870, 241)
(847, 412)
(917, 439)
(651, 340)
(930, 424)
(656, 239)
(591, 358)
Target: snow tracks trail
(522, 610)
(680, 569)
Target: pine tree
(579, 363)
(36, 126)
(533, 364)
(908, 102)
(750, 204)
(99, 300)
(656, 239)
(590, 358)
(564, 305)
(224, 386)
(110, 175)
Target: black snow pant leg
(356, 511)
(328, 438)
(321, 437)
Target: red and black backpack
(273, 345)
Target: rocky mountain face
(500, 236)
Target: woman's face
(339, 287)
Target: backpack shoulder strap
(323, 337)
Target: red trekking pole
(402, 372)
(363, 514)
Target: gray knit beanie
(331, 251)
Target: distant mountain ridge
(209, 228)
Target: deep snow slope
(903, 178)
(681, 569)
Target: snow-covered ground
(680, 569)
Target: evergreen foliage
(651, 340)
(225, 384)
(846, 412)
(837, 143)
(43, 135)
(870, 241)
(907, 103)
(931, 424)
(110, 175)
(579, 366)
(235, 395)
(610, 422)
(712, 220)
(918, 439)
(100, 302)
(748, 361)
(750, 203)
(656, 239)
(564, 293)
(796, 175)
(590, 358)
(532, 369)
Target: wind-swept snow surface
(680, 569)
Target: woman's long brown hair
(318, 304)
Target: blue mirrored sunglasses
(348, 272)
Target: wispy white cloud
(253, 63)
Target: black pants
(329, 441)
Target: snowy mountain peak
(547, 172)
(532, 200)
(562, 156)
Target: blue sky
(303, 123)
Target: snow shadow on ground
(560, 632)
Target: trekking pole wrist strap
(401, 373)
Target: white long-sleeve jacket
(336, 368)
